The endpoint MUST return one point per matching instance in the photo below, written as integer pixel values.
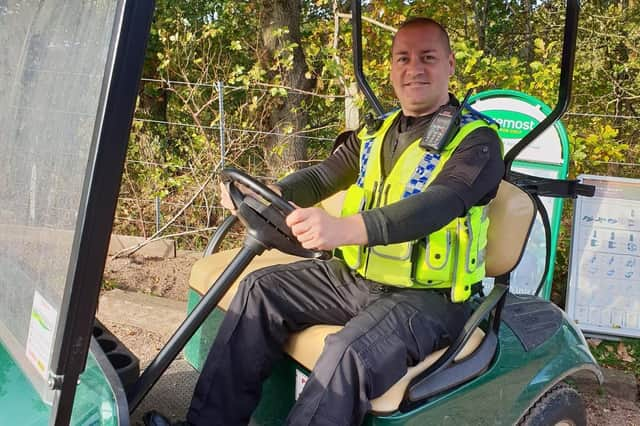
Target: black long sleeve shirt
(470, 177)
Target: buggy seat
(511, 215)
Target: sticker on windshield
(40, 338)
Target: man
(394, 283)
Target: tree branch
(130, 250)
(371, 21)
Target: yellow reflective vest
(452, 257)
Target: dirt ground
(612, 404)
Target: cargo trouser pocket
(426, 336)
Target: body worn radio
(443, 126)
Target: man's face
(421, 65)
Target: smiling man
(408, 254)
(421, 64)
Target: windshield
(52, 64)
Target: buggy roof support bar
(564, 90)
(356, 36)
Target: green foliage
(498, 44)
(606, 83)
(601, 145)
(108, 284)
(622, 355)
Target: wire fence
(185, 203)
(182, 201)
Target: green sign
(547, 156)
(513, 124)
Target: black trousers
(385, 330)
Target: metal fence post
(221, 112)
(158, 214)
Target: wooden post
(351, 113)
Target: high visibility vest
(452, 257)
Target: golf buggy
(59, 194)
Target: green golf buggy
(67, 141)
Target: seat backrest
(511, 215)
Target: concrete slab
(156, 314)
(160, 248)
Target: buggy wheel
(561, 406)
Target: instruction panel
(604, 278)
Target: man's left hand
(318, 230)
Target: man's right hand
(316, 229)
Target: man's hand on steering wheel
(263, 211)
(318, 230)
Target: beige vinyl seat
(511, 215)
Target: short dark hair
(419, 21)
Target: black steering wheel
(265, 218)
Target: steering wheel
(265, 221)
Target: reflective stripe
(421, 175)
(469, 229)
(364, 160)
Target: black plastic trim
(114, 381)
(537, 186)
(124, 362)
(98, 203)
(532, 320)
(356, 41)
(459, 372)
(548, 187)
(421, 386)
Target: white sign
(604, 285)
(40, 338)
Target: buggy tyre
(561, 406)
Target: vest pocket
(473, 239)
(397, 251)
(391, 264)
(435, 261)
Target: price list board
(603, 295)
